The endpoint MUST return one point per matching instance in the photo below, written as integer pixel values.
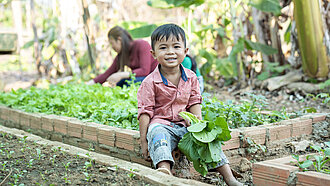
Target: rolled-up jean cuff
(223, 161)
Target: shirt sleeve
(195, 97)
(146, 100)
(103, 77)
(145, 60)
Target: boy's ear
(186, 51)
(153, 54)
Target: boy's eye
(177, 46)
(162, 48)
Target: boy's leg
(224, 169)
(228, 176)
(159, 146)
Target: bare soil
(23, 162)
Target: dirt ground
(28, 163)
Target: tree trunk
(37, 47)
(258, 16)
(276, 41)
(88, 34)
(310, 37)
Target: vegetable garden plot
(118, 106)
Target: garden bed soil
(27, 168)
(29, 163)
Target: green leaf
(143, 31)
(205, 136)
(272, 6)
(327, 151)
(306, 164)
(210, 115)
(205, 154)
(268, 50)
(197, 127)
(28, 44)
(317, 148)
(225, 67)
(186, 146)
(215, 150)
(200, 167)
(225, 134)
(189, 116)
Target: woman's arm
(103, 77)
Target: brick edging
(125, 144)
(282, 172)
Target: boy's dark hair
(166, 31)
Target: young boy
(167, 91)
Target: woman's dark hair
(126, 40)
(193, 63)
(166, 31)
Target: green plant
(319, 161)
(202, 143)
(9, 154)
(251, 147)
(4, 165)
(39, 154)
(30, 163)
(66, 166)
(131, 174)
(87, 176)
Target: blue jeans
(123, 82)
(163, 139)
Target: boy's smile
(170, 53)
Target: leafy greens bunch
(202, 143)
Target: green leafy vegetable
(202, 143)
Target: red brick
(85, 144)
(106, 135)
(312, 178)
(279, 132)
(48, 122)
(301, 127)
(234, 142)
(35, 121)
(318, 118)
(90, 131)
(258, 134)
(140, 160)
(125, 139)
(60, 124)
(271, 174)
(75, 128)
(25, 120)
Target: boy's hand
(144, 149)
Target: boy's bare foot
(164, 170)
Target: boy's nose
(170, 51)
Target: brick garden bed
(125, 144)
(281, 172)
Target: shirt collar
(161, 78)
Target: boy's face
(169, 53)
